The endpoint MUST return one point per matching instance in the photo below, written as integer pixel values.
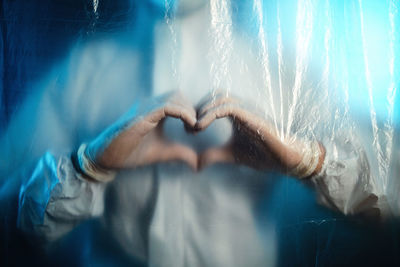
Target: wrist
(88, 168)
(321, 159)
(313, 155)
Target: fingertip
(207, 158)
(189, 128)
(192, 113)
(201, 124)
(193, 122)
(188, 122)
(189, 156)
(189, 117)
(201, 162)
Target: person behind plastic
(72, 166)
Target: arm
(56, 194)
(38, 180)
(39, 184)
(346, 183)
(338, 169)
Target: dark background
(34, 35)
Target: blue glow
(360, 37)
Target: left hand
(255, 141)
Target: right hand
(255, 141)
(137, 139)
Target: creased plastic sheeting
(329, 68)
(316, 70)
(322, 68)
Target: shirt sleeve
(346, 182)
(38, 183)
(56, 198)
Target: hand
(254, 142)
(137, 138)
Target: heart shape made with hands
(217, 135)
(145, 136)
(228, 132)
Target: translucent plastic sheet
(307, 79)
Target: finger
(224, 110)
(187, 115)
(179, 152)
(172, 98)
(190, 129)
(193, 116)
(216, 155)
(180, 100)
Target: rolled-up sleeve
(56, 198)
(346, 182)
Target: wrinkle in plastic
(317, 70)
(323, 69)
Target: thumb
(179, 152)
(215, 155)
